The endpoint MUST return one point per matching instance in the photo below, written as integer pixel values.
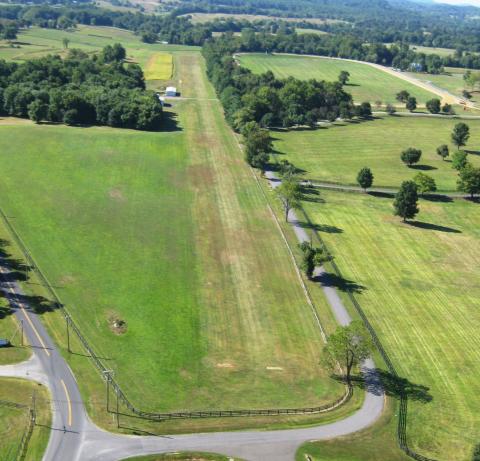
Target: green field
(159, 67)
(377, 443)
(451, 80)
(169, 233)
(366, 82)
(37, 42)
(14, 421)
(336, 153)
(418, 284)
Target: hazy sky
(460, 2)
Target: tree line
(254, 102)
(84, 90)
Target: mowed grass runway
(337, 152)
(169, 233)
(366, 82)
(419, 286)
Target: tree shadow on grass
(379, 381)
(434, 227)
(378, 194)
(472, 152)
(169, 122)
(320, 227)
(328, 279)
(423, 167)
(437, 198)
(311, 194)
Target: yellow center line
(31, 323)
(69, 403)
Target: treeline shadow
(311, 194)
(327, 229)
(379, 381)
(15, 270)
(423, 167)
(169, 122)
(328, 279)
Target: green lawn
(36, 42)
(418, 284)
(336, 153)
(366, 82)
(14, 421)
(451, 80)
(169, 233)
(377, 443)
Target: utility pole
(67, 319)
(108, 376)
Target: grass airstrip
(336, 152)
(418, 285)
(161, 246)
(366, 82)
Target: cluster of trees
(80, 90)
(170, 28)
(379, 21)
(8, 30)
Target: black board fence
(107, 374)
(403, 405)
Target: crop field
(200, 18)
(14, 421)
(159, 67)
(167, 235)
(433, 50)
(37, 42)
(366, 82)
(418, 284)
(336, 153)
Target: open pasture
(162, 248)
(337, 152)
(418, 284)
(366, 82)
(37, 42)
(14, 421)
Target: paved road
(75, 438)
(378, 190)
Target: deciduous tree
(406, 201)
(469, 180)
(425, 183)
(460, 134)
(443, 151)
(365, 178)
(348, 347)
(290, 195)
(411, 155)
(459, 160)
(411, 103)
(434, 106)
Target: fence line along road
(402, 416)
(120, 394)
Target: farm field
(418, 285)
(159, 67)
(14, 421)
(336, 153)
(37, 42)
(139, 229)
(200, 18)
(366, 82)
(433, 50)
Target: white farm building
(171, 91)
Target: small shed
(171, 91)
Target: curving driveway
(75, 437)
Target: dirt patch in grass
(117, 325)
(116, 194)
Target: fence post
(67, 320)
